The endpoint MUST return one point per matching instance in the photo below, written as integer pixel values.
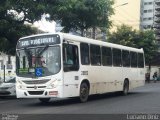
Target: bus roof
(37, 35)
(98, 42)
(75, 38)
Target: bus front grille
(35, 92)
(36, 81)
(37, 87)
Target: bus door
(71, 69)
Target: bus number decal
(84, 72)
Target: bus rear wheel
(125, 88)
(84, 92)
(44, 100)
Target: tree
(10, 33)
(73, 14)
(26, 10)
(82, 14)
(148, 42)
(13, 14)
(125, 35)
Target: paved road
(145, 99)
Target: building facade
(157, 20)
(150, 16)
(147, 14)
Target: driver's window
(70, 57)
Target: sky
(45, 25)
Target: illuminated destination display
(39, 40)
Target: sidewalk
(153, 81)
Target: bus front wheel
(84, 92)
(44, 100)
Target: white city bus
(62, 65)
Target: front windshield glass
(38, 62)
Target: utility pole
(4, 68)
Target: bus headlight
(20, 85)
(52, 85)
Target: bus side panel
(105, 79)
(141, 77)
(136, 79)
(117, 78)
(97, 79)
(71, 84)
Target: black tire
(44, 100)
(125, 88)
(84, 92)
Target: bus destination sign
(39, 40)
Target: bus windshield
(46, 59)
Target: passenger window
(133, 59)
(140, 60)
(106, 56)
(117, 57)
(95, 55)
(84, 54)
(125, 58)
(70, 57)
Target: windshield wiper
(40, 53)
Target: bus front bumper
(46, 93)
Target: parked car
(7, 88)
(1, 80)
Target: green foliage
(12, 24)
(82, 14)
(30, 10)
(148, 43)
(10, 35)
(125, 35)
(72, 14)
